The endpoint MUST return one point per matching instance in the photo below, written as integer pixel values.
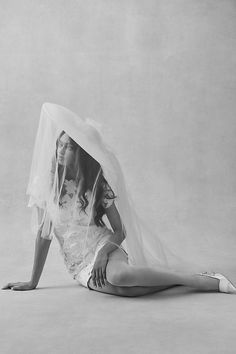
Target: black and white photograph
(118, 176)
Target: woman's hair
(85, 170)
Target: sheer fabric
(57, 201)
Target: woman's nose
(62, 150)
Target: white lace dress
(78, 250)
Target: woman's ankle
(207, 283)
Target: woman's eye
(60, 145)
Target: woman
(75, 181)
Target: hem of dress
(88, 283)
(83, 276)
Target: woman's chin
(61, 162)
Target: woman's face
(65, 151)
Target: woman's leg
(120, 273)
(144, 276)
(131, 291)
(126, 280)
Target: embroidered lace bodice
(66, 217)
(80, 217)
(77, 241)
(67, 201)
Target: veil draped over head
(48, 177)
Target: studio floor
(159, 76)
(62, 317)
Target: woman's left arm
(117, 237)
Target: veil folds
(47, 177)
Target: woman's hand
(99, 269)
(28, 285)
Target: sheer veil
(45, 187)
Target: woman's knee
(111, 289)
(117, 270)
(118, 277)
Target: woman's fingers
(104, 275)
(19, 286)
(102, 278)
(9, 285)
(96, 277)
(5, 287)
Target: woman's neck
(68, 173)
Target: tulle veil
(44, 189)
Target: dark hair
(89, 169)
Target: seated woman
(71, 187)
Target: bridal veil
(143, 245)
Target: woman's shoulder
(108, 194)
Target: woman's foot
(224, 284)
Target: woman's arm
(41, 246)
(118, 235)
(40, 255)
(41, 250)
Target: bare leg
(120, 273)
(131, 291)
(125, 275)
(126, 280)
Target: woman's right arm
(40, 255)
(41, 250)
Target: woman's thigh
(118, 260)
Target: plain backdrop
(160, 77)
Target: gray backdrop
(160, 76)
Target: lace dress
(79, 243)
